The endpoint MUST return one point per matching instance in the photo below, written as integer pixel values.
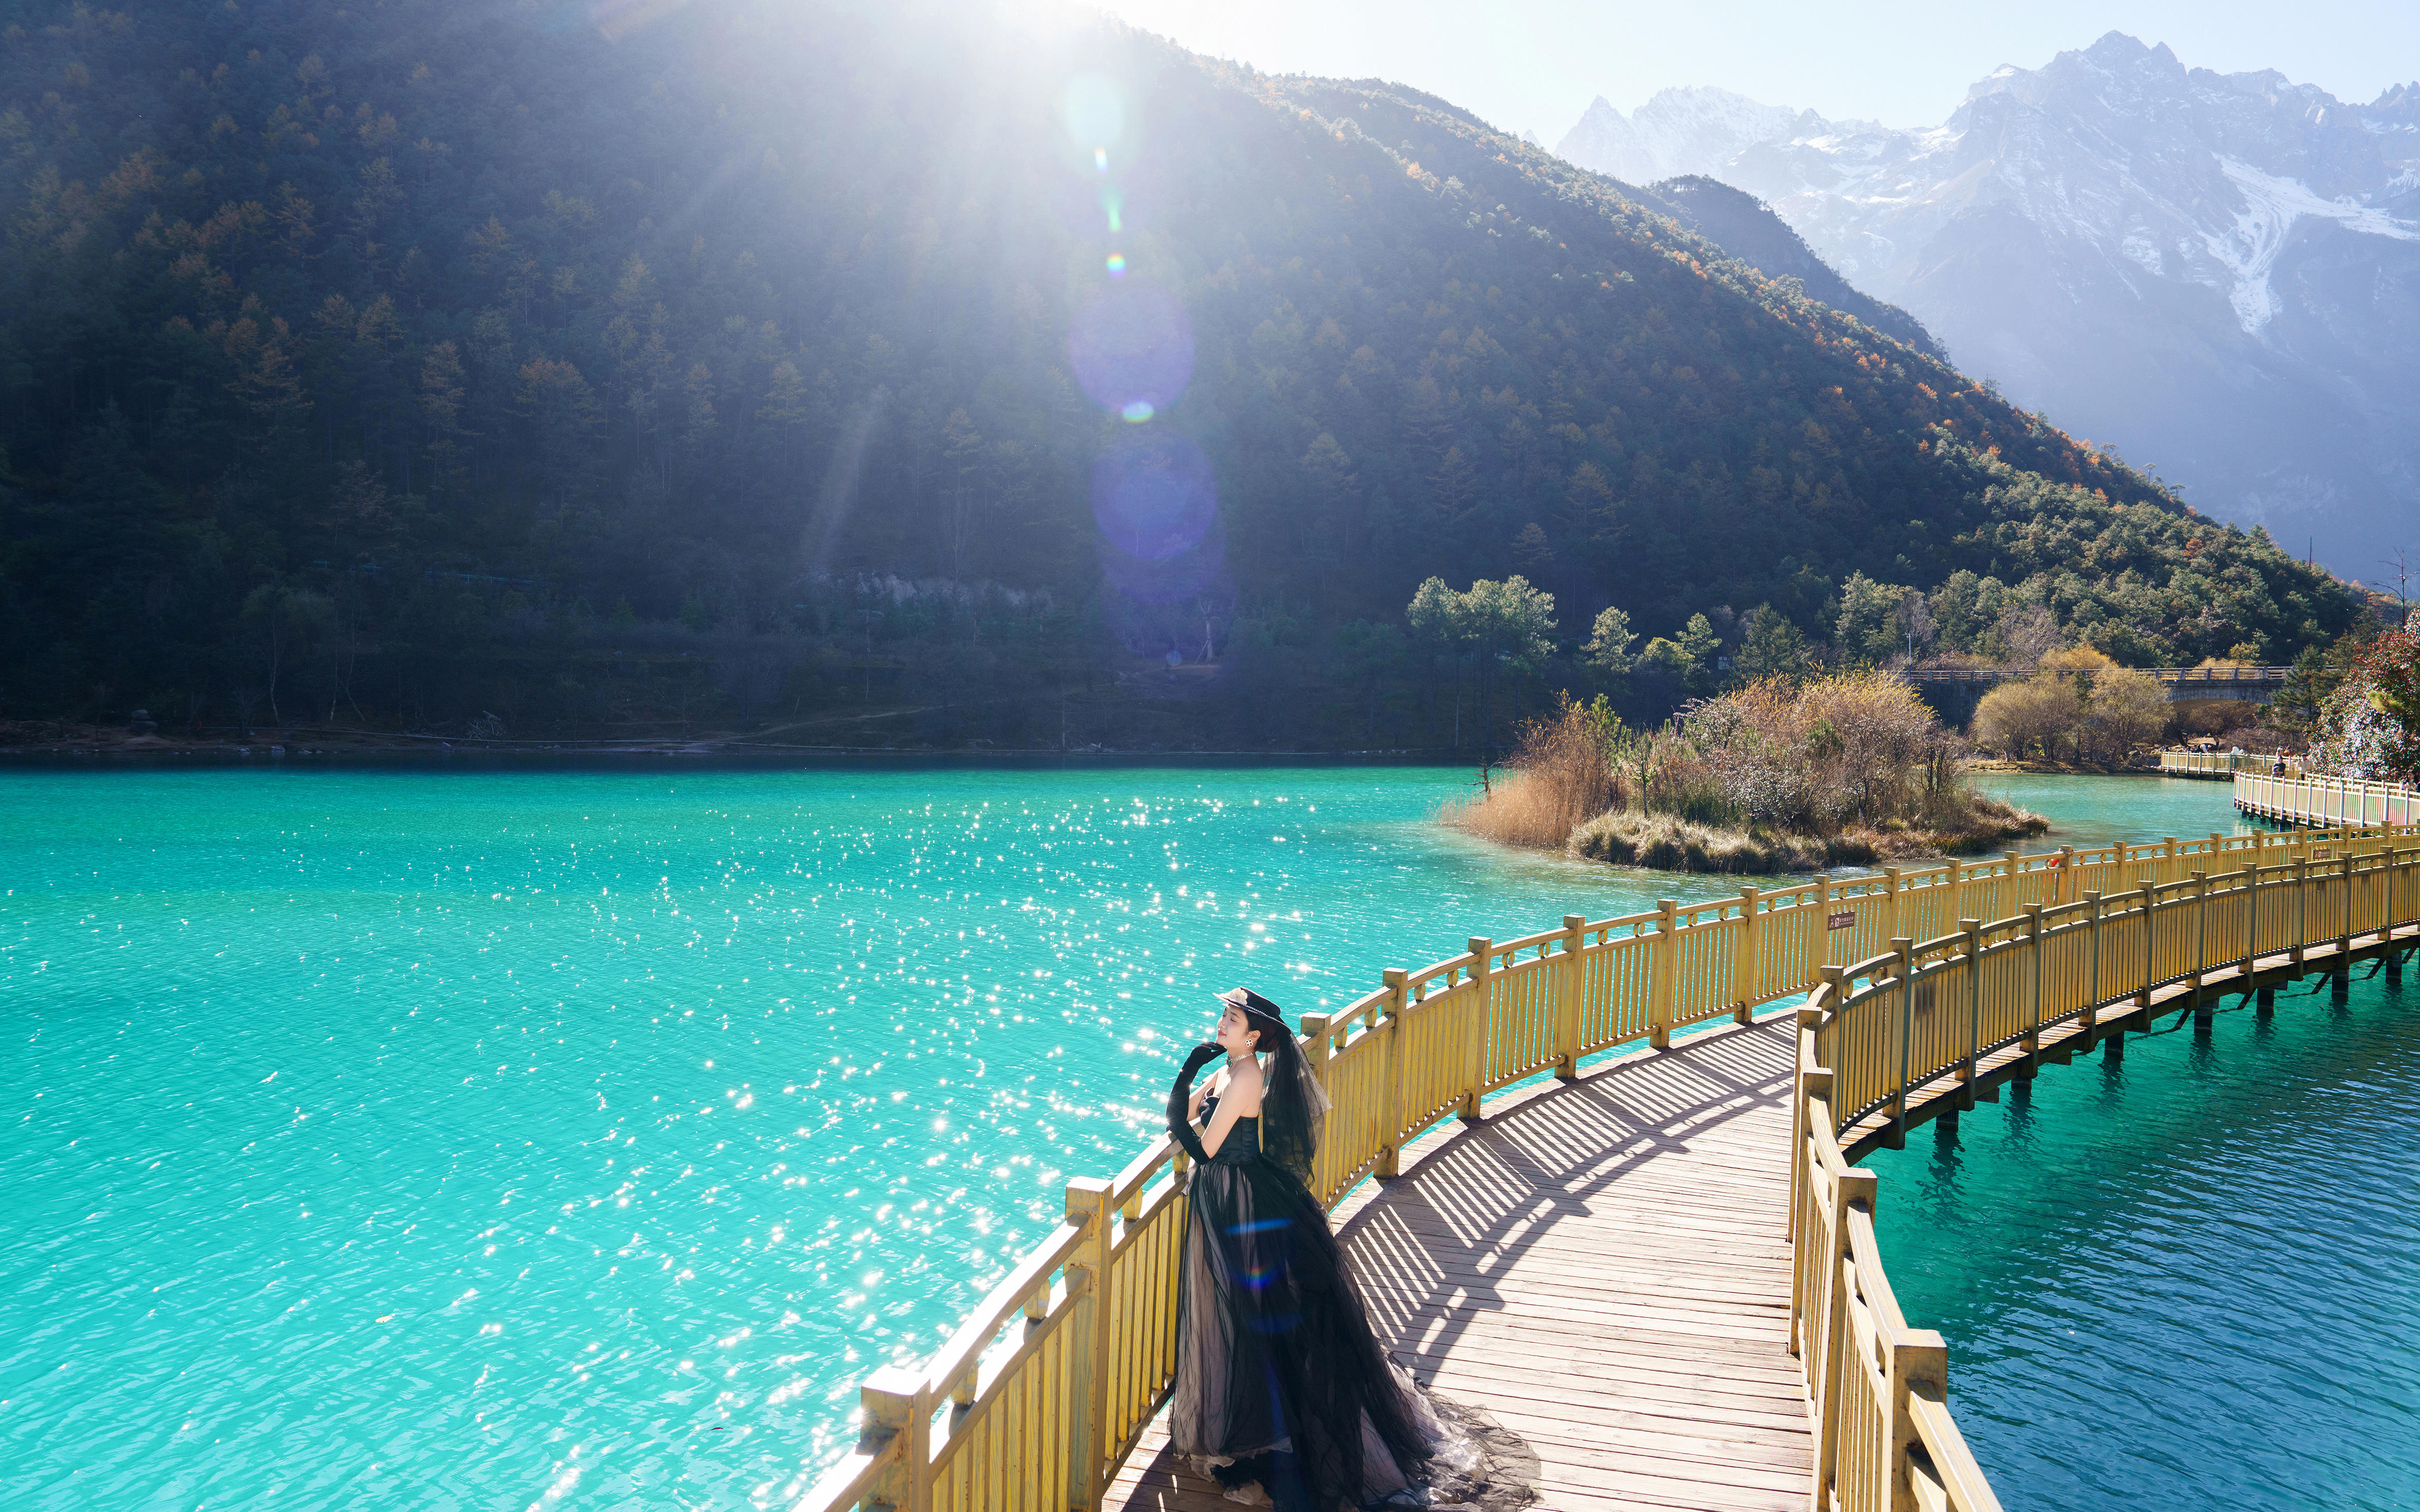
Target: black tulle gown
(1279, 1378)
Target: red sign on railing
(1842, 920)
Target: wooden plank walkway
(1604, 1268)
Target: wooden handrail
(2223, 763)
(956, 1358)
(1868, 1042)
(2260, 675)
(2299, 799)
(1950, 1470)
(1052, 1408)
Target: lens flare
(1094, 111)
(1143, 587)
(1114, 206)
(1137, 413)
(1116, 264)
(1100, 160)
(1154, 494)
(1131, 343)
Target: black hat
(1253, 1004)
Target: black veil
(1293, 1106)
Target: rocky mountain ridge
(2219, 273)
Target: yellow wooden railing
(1979, 1001)
(2327, 800)
(1040, 1394)
(2221, 763)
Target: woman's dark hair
(1293, 1104)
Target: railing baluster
(1480, 1015)
(1397, 1061)
(1668, 950)
(1746, 974)
(1972, 928)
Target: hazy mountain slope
(1748, 228)
(2220, 273)
(1677, 132)
(406, 362)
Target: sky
(1534, 65)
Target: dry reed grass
(1561, 777)
(1668, 845)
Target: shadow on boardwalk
(1604, 1267)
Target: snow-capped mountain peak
(1678, 131)
(2221, 273)
(2249, 249)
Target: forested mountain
(1747, 227)
(424, 364)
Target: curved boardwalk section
(1603, 1262)
(1601, 1266)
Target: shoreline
(104, 750)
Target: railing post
(2343, 920)
(1668, 951)
(2150, 906)
(895, 1404)
(2251, 917)
(1811, 1082)
(2167, 859)
(1088, 1434)
(1904, 949)
(2032, 1041)
(1744, 974)
(2302, 905)
(1957, 888)
(1390, 1133)
(1917, 1357)
(1974, 931)
(2118, 862)
(1890, 891)
(2066, 875)
(1574, 996)
(2092, 999)
(1482, 1013)
(1819, 935)
(1851, 1188)
(1314, 1029)
(2201, 932)
(2390, 922)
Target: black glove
(1179, 1100)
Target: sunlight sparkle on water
(462, 1118)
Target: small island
(1781, 774)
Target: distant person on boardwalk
(1280, 1381)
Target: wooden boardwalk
(1604, 1267)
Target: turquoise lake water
(462, 1140)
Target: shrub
(1871, 740)
(1778, 775)
(2128, 709)
(2040, 713)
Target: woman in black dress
(1279, 1381)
